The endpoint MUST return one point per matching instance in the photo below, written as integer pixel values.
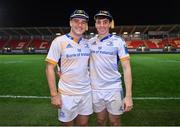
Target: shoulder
(92, 40)
(84, 40)
(59, 38)
(118, 38)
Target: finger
(56, 106)
(128, 108)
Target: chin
(80, 33)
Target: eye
(83, 22)
(105, 22)
(77, 21)
(98, 22)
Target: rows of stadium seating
(44, 44)
(23, 44)
(154, 43)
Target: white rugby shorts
(112, 100)
(72, 106)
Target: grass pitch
(154, 75)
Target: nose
(101, 24)
(80, 23)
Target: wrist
(128, 96)
(54, 94)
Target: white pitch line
(134, 98)
(156, 98)
(29, 97)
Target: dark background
(53, 13)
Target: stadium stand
(139, 38)
(40, 44)
(151, 44)
(17, 44)
(136, 43)
(2, 43)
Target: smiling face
(78, 26)
(102, 25)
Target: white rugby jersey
(104, 57)
(74, 59)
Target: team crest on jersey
(79, 50)
(86, 46)
(69, 46)
(109, 43)
(99, 47)
(62, 114)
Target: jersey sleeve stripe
(51, 61)
(125, 58)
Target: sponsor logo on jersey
(99, 47)
(79, 50)
(69, 46)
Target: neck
(76, 37)
(102, 36)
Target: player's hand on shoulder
(58, 73)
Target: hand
(59, 73)
(56, 101)
(128, 104)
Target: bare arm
(128, 84)
(50, 74)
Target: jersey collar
(106, 37)
(73, 38)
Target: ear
(112, 24)
(86, 27)
(70, 23)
